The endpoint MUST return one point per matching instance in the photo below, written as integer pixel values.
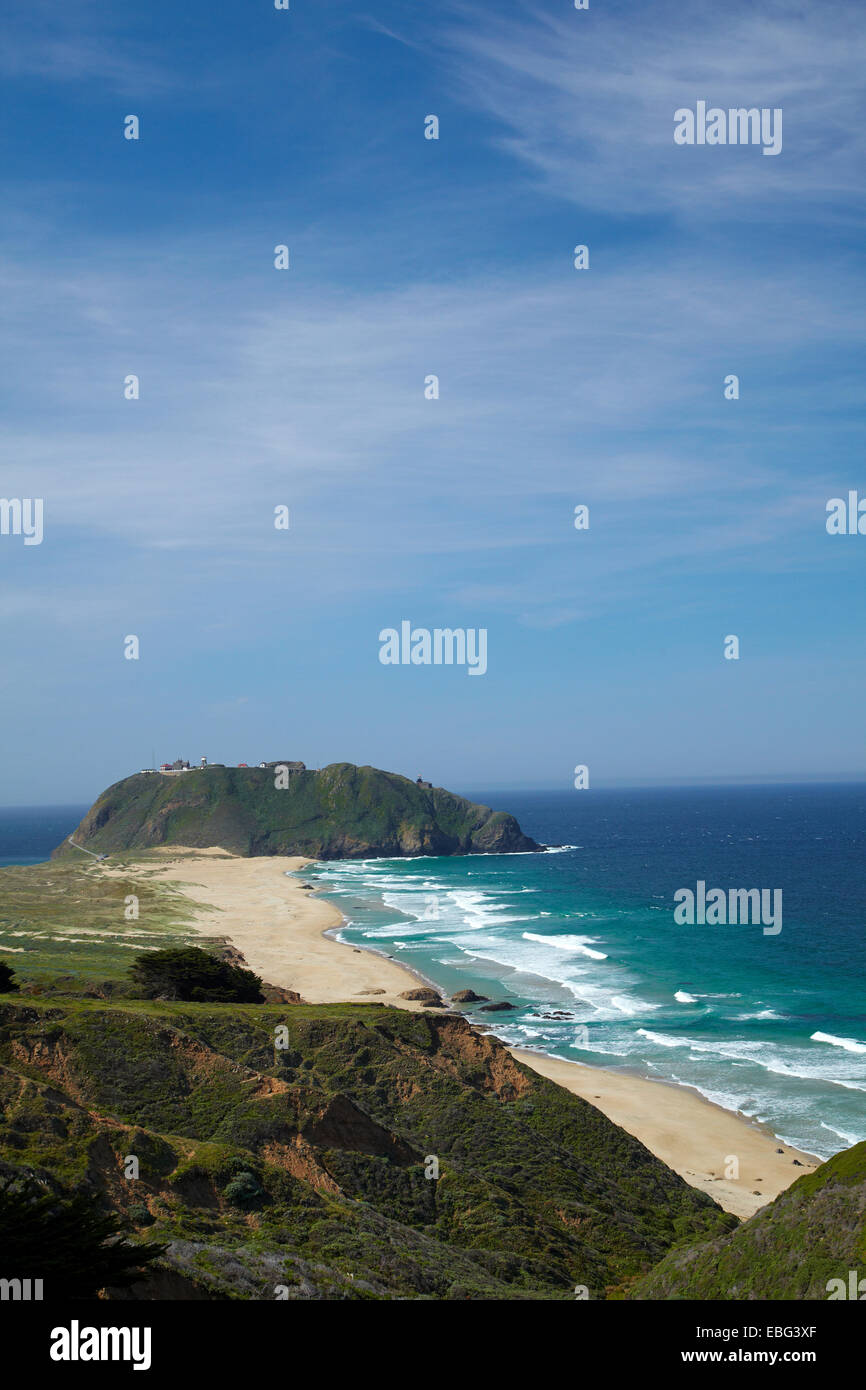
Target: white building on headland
(181, 765)
(174, 769)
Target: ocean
(28, 834)
(582, 942)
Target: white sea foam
(758, 1054)
(682, 997)
(577, 944)
(849, 1044)
(662, 1039)
(630, 1007)
(762, 1013)
(843, 1134)
(396, 929)
(574, 974)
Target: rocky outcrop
(272, 994)
(339, 812)
(430, 997)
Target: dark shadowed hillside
(305, 1165)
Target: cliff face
(339, 812)
(375, 1154)
(812, 1234)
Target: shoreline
(288, 938)
(693, 1135)
(280, 928)
(330, 934)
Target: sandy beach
(690, 1134)
(279, 927)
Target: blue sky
(305, 388)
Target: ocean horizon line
(708, 783)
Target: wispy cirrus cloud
(586, 101)
(71, 59)
(555, 388)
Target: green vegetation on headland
(284, 1149)
(339, 812)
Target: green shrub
(7, 984)
(244, 1191)
(64, 1239)
(189, 973)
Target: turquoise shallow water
(584, 944)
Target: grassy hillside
(305, 1165)
(341, 811)
(66, 921)
(812, 1233)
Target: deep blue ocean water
(771, 1025)
(28, 834)
(774, 1026)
